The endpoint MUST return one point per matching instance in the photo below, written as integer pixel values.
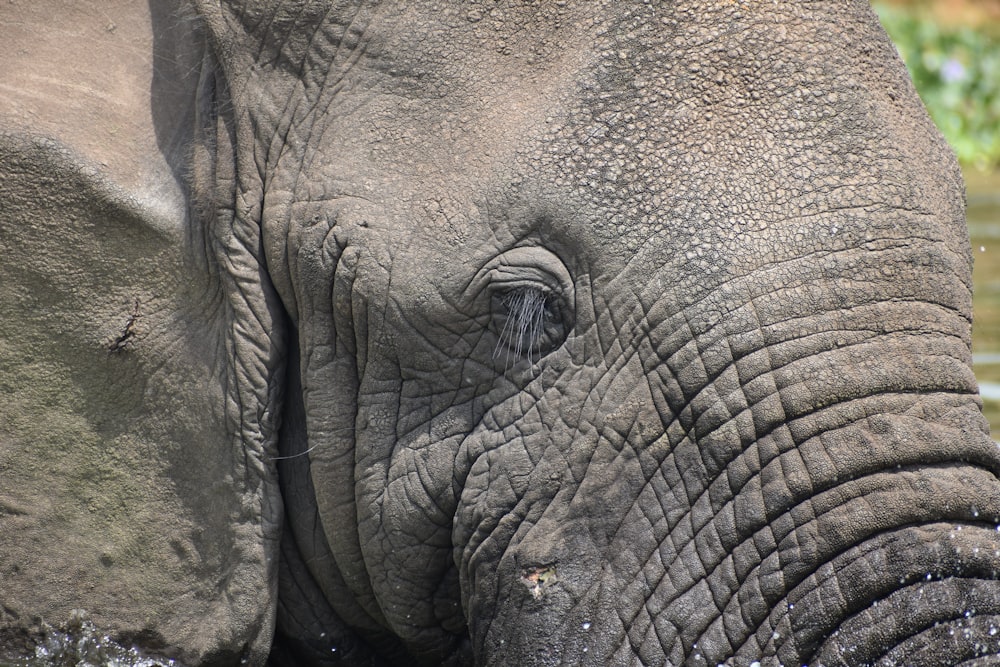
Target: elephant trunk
(852, 545)
(765, 493)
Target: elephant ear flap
(141, 343)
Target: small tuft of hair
(526, 311)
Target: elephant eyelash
(527, 310)
(293, 456)
(305, 452)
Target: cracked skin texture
(747, 429)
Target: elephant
(486, 333)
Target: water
(82, 645)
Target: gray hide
(516, 333)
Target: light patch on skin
(537, 579)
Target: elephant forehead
(709, 140)
(663, 117)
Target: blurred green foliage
(956, 70)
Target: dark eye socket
(529, 322)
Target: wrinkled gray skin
(264, 361)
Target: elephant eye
(531, 297)
(528, 321)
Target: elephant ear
(140, 342)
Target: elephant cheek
(535, 572)
(541, 584)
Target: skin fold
(516, 333)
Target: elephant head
(572, 333)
